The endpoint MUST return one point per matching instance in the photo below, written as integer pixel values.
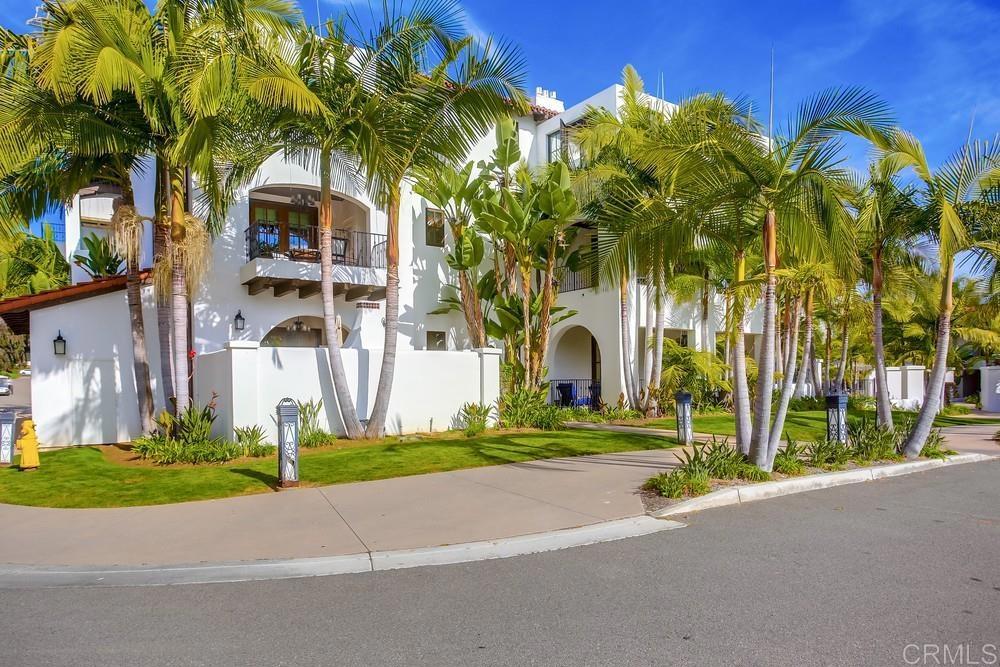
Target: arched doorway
(299, 331)
(575, 369)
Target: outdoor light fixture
(299, 326)
(239, 322)
(59, 344)
(836, 417)
(288, 443)
(685, 429)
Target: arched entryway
(575, 369)
(299, 331)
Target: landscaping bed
(717, 465)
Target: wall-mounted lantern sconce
(239, 322)
(59, 344)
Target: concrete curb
(30, 576)
(745, 494)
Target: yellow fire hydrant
(28, 443)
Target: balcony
(285, 259)
(570, 281)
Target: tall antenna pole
(770, 113)
(319, 19)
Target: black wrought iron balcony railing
(350, 247)
(570, 281)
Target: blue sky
(933, 61)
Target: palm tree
(51, 149)
(195, 70)
(971, 174)
(438, 93)
(794, 181)
(889, 221)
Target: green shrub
(955, 409)
(722, 460)
(751, 473)
(935, 447)
(697, 484)
(823, 453)
(579, 413)
(614, 413)
(252, 441)
(550, 418)
(695, 461)
(475, 418)
(860, 403)
(788, 460)
(518, 408)
(996, 436)
(807, 403)
(871, 442)
(667, 484)
(310, 433)
(678, 483)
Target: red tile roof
(54, 297)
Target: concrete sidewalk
(403, 513)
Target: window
(554, 146)
(437, 340)
(265, 214)
(434, 235)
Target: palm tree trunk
(844, 349)
(705, 294)
(348, 411)
(765, 371)
(741, 391)
(376, 423)
(545, 316)
(526, 324)
(827, 387)
(807, 351)
(786, 388)
(140, 359)
(883, 406)
(648, 354)
(932, 396)
(661, 321)
(626, 343)
(178, 292)
(164, 316)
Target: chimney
(547, 99)
(369, 328)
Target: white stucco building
(264, 268)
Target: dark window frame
(434, 232)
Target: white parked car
(26, 372)
(6, 387)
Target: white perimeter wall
(88, 396)
(429, 388)
(990, 388)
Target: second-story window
(553, 144)
(434, 235)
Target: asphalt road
(21, 399)
(847, 576)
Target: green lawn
(805, 425)
(83, 477)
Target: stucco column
(489, 375)
(243, 393)
(989, 388)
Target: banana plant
(100, 261)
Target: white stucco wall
(990, 388)
(429, 388)
(88, 396)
